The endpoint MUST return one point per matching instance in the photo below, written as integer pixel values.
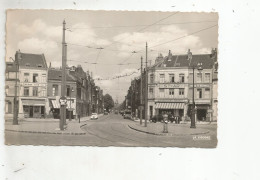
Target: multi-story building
(54, 93)
(33, 84)
(11, 81)
(170, 85)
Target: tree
(108, 102)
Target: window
(150, 90)
(171, 92)
(199, 93)
(12, 75)
(181, 78)
(199, 77)
(26, 91)
(43, 92)
(190, 77)
(54, 90)
(43, 78)
(151, 78)
(68, 91)
(207, 93)
(6, 90)
(35, 91)
(35, 77)
(161, 92)
(171, 76)
(181, 91)
(162, 76)
(207, 77)
(8, 107)
(26, 77)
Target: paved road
(113, 130)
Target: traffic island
(73, 128)
(173, 129)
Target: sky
(109, 38)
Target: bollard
(165, 123)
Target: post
(141, 93)
(193, 103)
(15, 114)
(63, 80)
(146, 87)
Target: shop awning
(33, 102)
(56, 104)
(169, 106)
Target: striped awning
(56, 104)
(169, 106)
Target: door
(31, 111)
(42, 111)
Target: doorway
(31, 111)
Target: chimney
(169, 56)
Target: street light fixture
(70, 112)
(199, 68)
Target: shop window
(54, 90)
(36, 109)
(199, 78)
(181, 91)
(26, 77)
(35, 91)
(35, 77)
(171, 76)
(162, 77)
(26, 109)
(171, 92)
(207, 93)
(199, 93)
(181, 78)
(26, 91)
(207, 77)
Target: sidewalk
(47, 127)
(173, 129)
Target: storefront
(33, 108)
(202, 111)
(55, 108)
(176, 109)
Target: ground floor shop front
(32, 108)
(203, 112)
(54, 109)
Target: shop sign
(34, 84)
(63, 101)
(171, 86)
(199, 85)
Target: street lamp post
(199, 67)
(72, 90)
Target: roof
(32, 60)
(10, 67)
(183, 61)
(55, 74)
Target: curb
(47, 132)
(165, 134)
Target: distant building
(33, 85)
(10, 80)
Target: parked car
(116, 111)
(94, 116)
(127, 115)
(157, 118)
(105, 113)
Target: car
(105, 113)
(157, 118)
(94, 116)
(116, 111)
(127, 115)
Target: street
(113, 130)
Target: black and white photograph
(111, 78)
